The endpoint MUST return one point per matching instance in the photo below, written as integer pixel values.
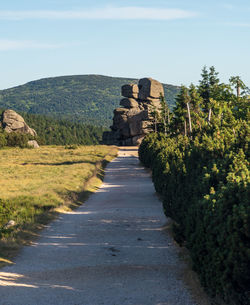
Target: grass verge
(37, 185)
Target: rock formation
(33, 144)
(134, 119)
(13, 122)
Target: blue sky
(167, 40)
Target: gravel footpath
(113, 250)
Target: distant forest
(87, 99)
(52, 131)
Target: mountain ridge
(89, 98)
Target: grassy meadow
(36, 184)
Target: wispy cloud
(244, 25)
(8, 45)
(108, 13)
(228, 6)
(239, 24)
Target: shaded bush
(15, 139)
(3, 141)
(207, 194)
(203, 176)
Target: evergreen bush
(204, 180)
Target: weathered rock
(120, 111)
(137, 140)
(129, 103)
(134, 112)
(155, 104)
(125, 131)
(33, 143)
(119, 121)
(13, 122)
(130, 91)
(150, 88)
(135, 119)
(135, 128)
(146, 126)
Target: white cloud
(239, 24)
(228, 6)
(109, 13)
(244, 25)
(8, 45)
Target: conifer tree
(181, 109)
(239, 85)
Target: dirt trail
(113, 250)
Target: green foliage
(53, 132)
(17, 139)
(23, 210)
(204, 179)
(3, 140)
(34, 182)
(89, 99)
(62, 132)
(14, 139)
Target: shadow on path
(113, 250)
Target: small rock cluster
(13, 122)
(134, 119)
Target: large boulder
(129, 103)
(130, 91)
(137, 140)
(146, 126)
(133, 112)
(135, 118)
(135, 127)
(13, 122)
(33, 144)
(150, 88)
(120, 118)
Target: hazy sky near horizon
(169, 40)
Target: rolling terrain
(89, 99)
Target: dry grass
(47, 171)
(36, 184)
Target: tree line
(199, 156)
(51, 131)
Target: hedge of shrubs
(14, 139)
(204, 178)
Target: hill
(88, 99)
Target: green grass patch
(37, 184)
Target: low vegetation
(38, 183)
(200, 166)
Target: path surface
(113, 250)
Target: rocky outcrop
(135, 118)
(13, 122)
(150, 89)
(130, 91)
